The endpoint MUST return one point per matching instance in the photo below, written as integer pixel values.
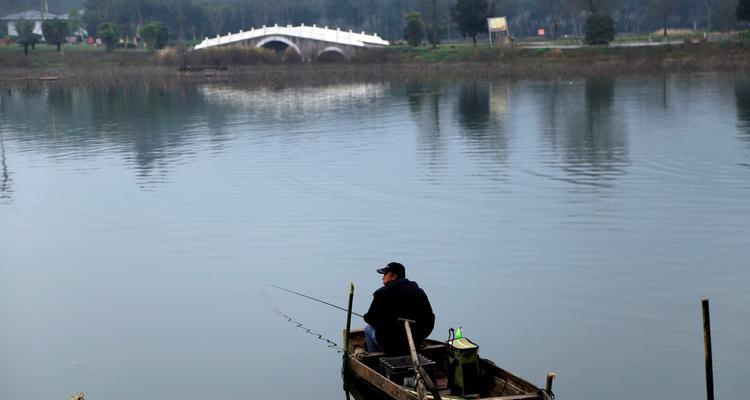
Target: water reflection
(592, 139)
(151, 127)
(742, 98)
(360, 390)
(424, 100)
(5, 181)
(414, 95)
(295, 104)
(474, 106)
(481, 111)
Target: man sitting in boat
(398, 298)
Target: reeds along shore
(252, 67)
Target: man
(398, 298)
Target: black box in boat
(400, 369)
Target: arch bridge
(311, 43)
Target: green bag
(463, 359)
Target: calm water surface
(568, 226)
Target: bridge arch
(281, 39)
(331, 53)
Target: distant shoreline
(127, 68)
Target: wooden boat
(363, 370)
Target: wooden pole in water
(548, 387)
(345, 356)
(348, 319)
(707, 348)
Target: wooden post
(548, 387)
(707, 348)
(345, 356)
(348, 318)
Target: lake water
(569, 226)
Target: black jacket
(401, 298)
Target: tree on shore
(599, 29)
(26, 35)
(3, 31)
(433, 25)
(471, 17)
(665, 8)
(109, 34)
(55, 31)
(553, 7)
(155, 34)
(414, 30)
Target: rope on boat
(317, 335)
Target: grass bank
(88, 66)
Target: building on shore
(35, 16)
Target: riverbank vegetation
(85, 65)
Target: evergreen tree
(414, 30)
(599, 29)
(471, 17)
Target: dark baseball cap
(398, 268)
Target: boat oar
(415, 360)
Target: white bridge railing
(314, 32)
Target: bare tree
(665, 8)
(553, 7)
(434, 33)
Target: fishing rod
(313, 298)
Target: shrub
(26, 35)
(291, 56)
(55, 31)
(599, 29)
(219, 56)
(167, 57)
(155, 34)
(744, 38)
(108, 33)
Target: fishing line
(317, 335)
(313, 298)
